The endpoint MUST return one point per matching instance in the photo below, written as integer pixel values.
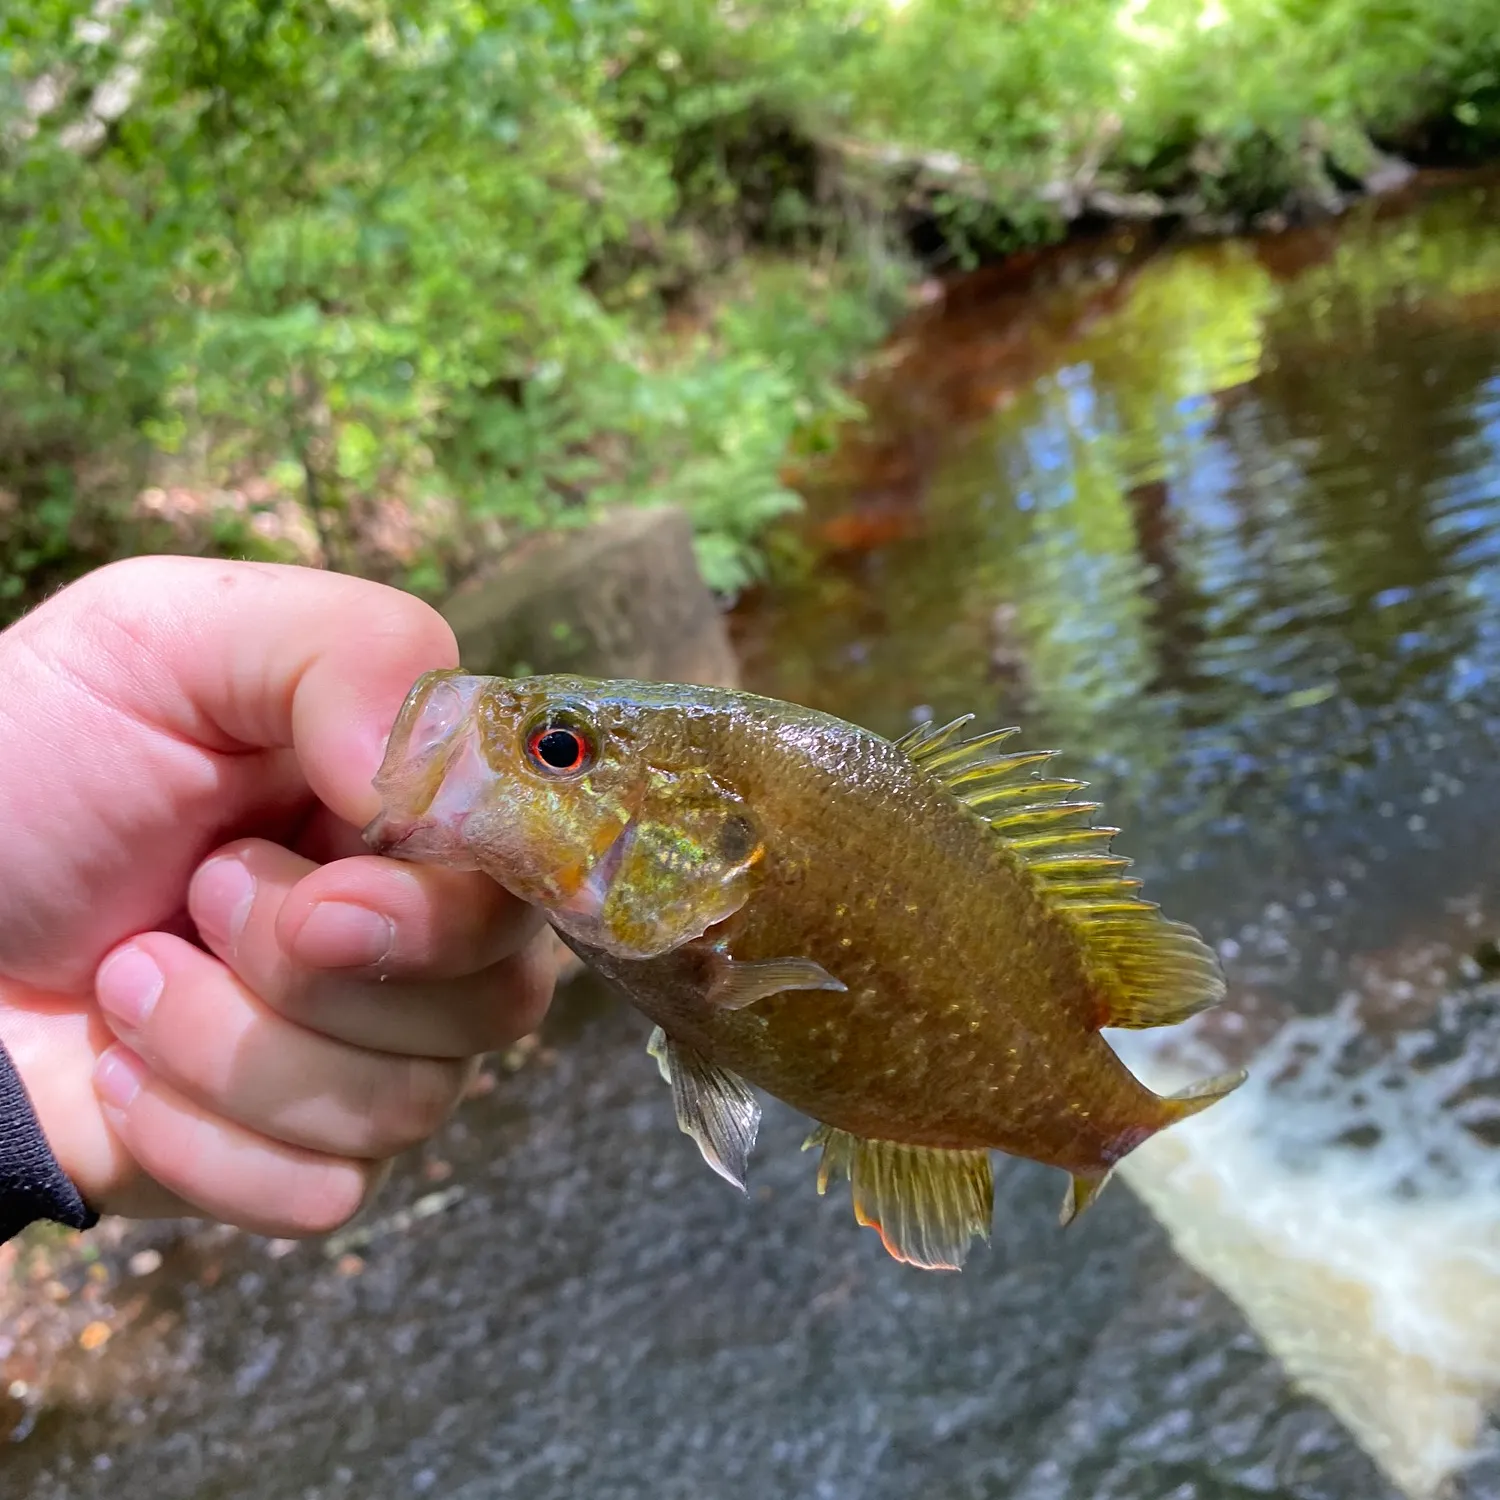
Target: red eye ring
(558, 749)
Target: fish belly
(885, 1062)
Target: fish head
(577, 797)
(518, 777)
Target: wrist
(53, 1043)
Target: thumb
(239, 656)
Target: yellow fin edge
(1149, 971)
(927, 1204)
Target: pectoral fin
(740, 984)
(713, 1106)
(927, 1204)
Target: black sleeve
(32, 1185)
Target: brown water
(1224, 523)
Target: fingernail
(223, 892)
(128, 985)
(338, 935)
(117, 1077)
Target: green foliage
(1243, 102)
(504, 261)
(359, 246)
(1274, 78)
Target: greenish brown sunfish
(914, 942)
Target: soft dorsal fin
(1153, 972)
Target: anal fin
(713, 1106)
(739, 984)
(928, 1204)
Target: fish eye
(559, 749)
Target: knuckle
(166, 1150)
(416, 1098)
(125, 607)
(530, 981)
(298, 995)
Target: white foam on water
(1347, 1198)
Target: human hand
(186, 747)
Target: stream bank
(387, 288)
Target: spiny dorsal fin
(926, 740)
(1153, 972)
(927, 1204)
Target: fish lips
(384, 834)
(417, 840)
(431, 796)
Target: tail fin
(1084, 1187)
(1199, 1096)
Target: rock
(1388, 174)
(1113, 205)
(620, 598)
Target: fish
(914, 942)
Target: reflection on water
(1224, 524)
(1237, 537)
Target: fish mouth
(432, 806)
(417, 840)
(382, 835)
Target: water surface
(1222, 522)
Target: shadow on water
(1222, 522)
